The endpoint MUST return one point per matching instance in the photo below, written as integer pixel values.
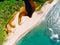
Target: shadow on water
(47, 33)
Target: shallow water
(44, 33)
(35, 37)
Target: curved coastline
(19, 33)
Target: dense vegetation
(7, 8)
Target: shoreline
(18, 33)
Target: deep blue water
(41, 34)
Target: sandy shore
(27, 24)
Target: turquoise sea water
(41, 35)
(35, 37)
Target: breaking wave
(53, 23)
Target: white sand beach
(27, 24)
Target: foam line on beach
(28, 24)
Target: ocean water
(47, 33)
